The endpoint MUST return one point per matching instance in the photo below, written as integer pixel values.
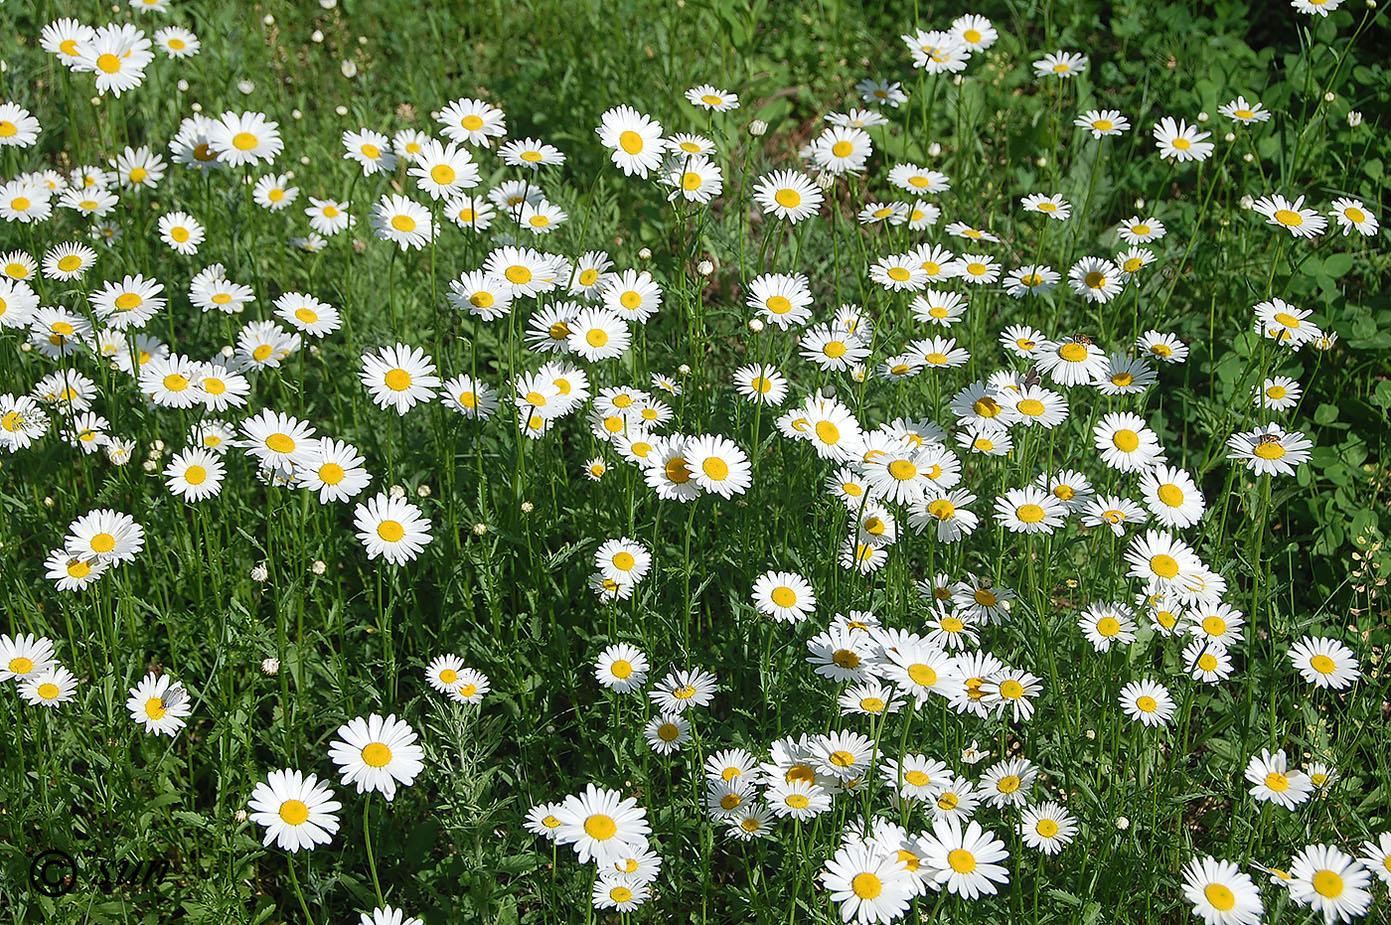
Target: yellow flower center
(1030, 513)
(391, 531)
(866, 885)
(788, 198)
(600, 827)
(961, 861)
(376, 755)
(1327, 883)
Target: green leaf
(1336, 265)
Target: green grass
(515, 523)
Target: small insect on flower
(160, 704)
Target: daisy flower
(1055, 207)
(718, 465)
(70, 573)
(1047, 828)
(781, 299)
(1030, 510)
(635, 140)
(392, 528)
(1008, 783)
(399, 377)
(681, 690)
(472, 121)
(868, 884)
(50, 687)
(1126, 443)
(707, 97)
(1181, 141)
(1299, 221)
(621, 668)
(1270, 450)
(371, 150)
(334, 470)
(623, 560)
(797, 797)
(194, 474)
(443, 170)
(666, 733)
(1164, 347)
(1238, 110)
(161, 706)
(1136, 230)
(1106, 625)
(601, 825)
(1376, 856)
(1172, 496)
(24, 656)
(64, 38)
(1316, 7)
(788, 195)
(296, 811)
(978, 269)
(471, 213)
(541, 219)
(473, 399)
(62, 261)
(761, 384)
(881, 92)
(530, 153)
(1102, 122)
(307, 314)
(1096, 279)
(244, 138)
(1207, 661)
(117, 55)
(402, 221)
(443, 672)
(1148, 702)
(18, 128)
(1325, 662)
(177, 42)
(181, 232)
(107, 535)
(377, 753)
(1064, 64)
(1352, 214)
(469, 687)
(1220, 893)
(622, 894)
(965, 861)
(328, 216)
(1330, 882)
(784, 596)
(938, 52)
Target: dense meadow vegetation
(694, 461)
